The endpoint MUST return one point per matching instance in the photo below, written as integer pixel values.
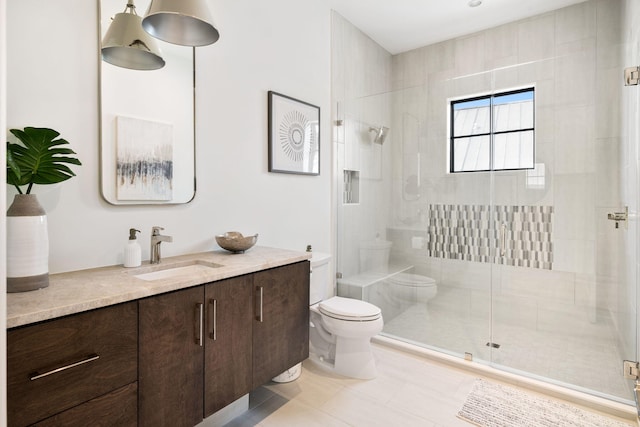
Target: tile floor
(409, 391)
(560, 344)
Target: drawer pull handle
(89, 358)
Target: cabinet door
(171, 361)
(281, 322)
(227, 361)
(58, 364)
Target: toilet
(340, 328)
(411, 288)
(403, 287)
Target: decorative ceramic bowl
(235, 242)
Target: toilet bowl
(340, 329)
(340, 336)
(403, 287)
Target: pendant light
(182, 22)
(126, 45)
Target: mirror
(147, 124)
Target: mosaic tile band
(474, 233)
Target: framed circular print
(294, 135)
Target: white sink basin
(177, 271)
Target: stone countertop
(84, 290)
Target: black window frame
(491, 132)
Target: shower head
(380, 134)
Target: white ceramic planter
(27, 245)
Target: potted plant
(40, 159)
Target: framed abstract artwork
(294, 135)
(144, 160)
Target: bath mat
(495, 405)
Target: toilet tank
(374, 255)
(320, 277)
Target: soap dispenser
(132, 251)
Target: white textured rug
(495, 405)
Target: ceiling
(402, 25)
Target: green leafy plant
(41, 160)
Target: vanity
(162, 345)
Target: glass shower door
(460, 237)
(564, 293)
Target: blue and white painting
(144, 159)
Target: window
(493, 132)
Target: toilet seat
(349, 309)
(413, 280)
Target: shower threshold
(622, 409)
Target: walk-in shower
(532, 276)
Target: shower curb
(606, 406)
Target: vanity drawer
(116, 409)
(58, 364)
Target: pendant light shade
(126, 45)
(183, 22)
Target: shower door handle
(619, 217)
(503, 239)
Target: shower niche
(351, 187)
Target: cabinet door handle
(89, 358)
(213, 303)
(259, 317)
(199, 315)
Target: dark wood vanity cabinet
(167, 360)
(281, 324)
(73, 370)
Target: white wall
(280, 45)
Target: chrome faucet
(156, 239)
